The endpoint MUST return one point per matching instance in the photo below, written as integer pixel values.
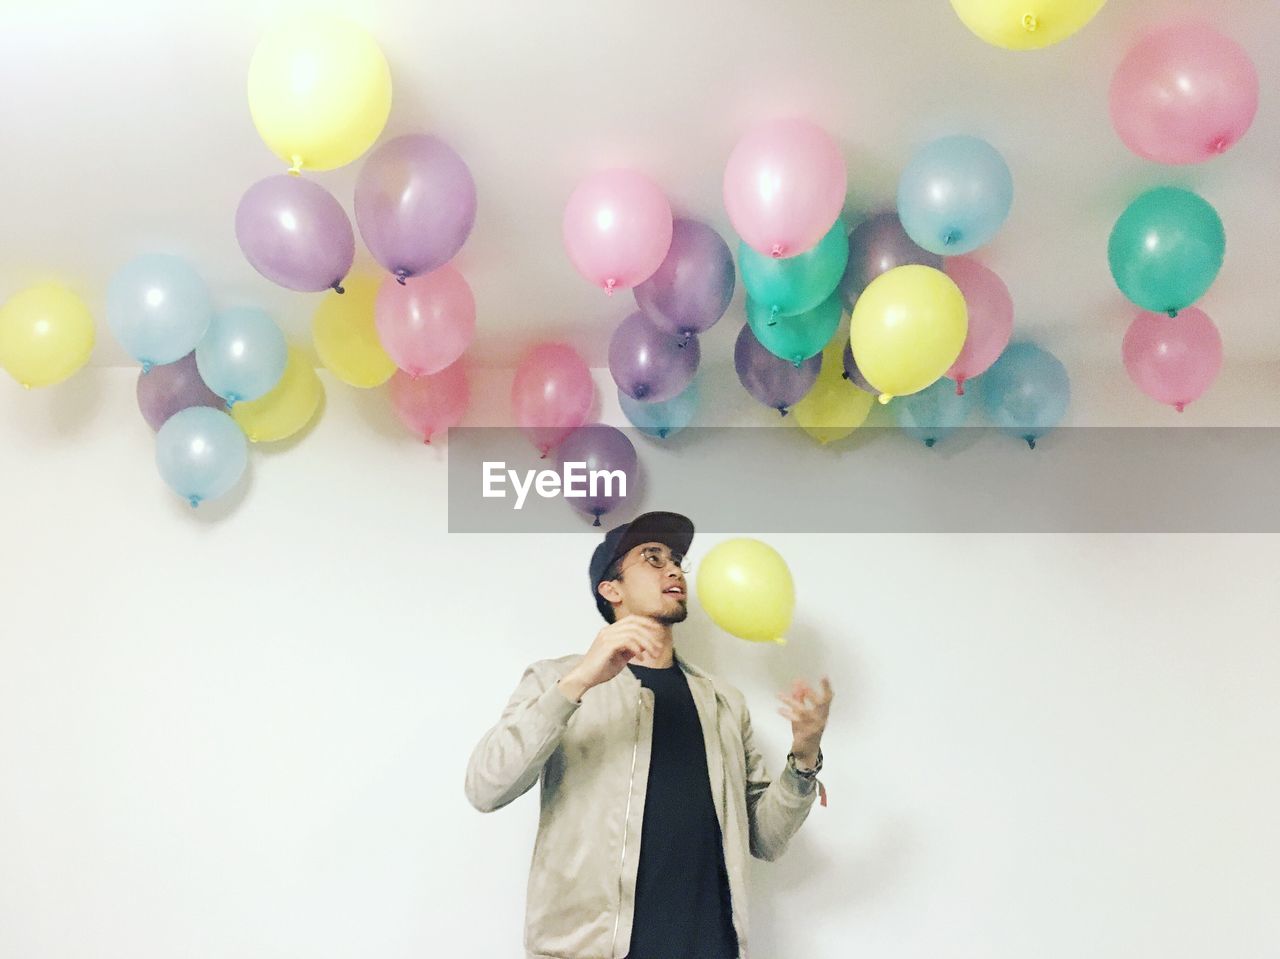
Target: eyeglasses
(658, 558)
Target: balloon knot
(1219, 145)
(783, 410)
(951, 237)
(1029, 22)
(930, 441)
(545, 451)
(642, 390)
(960, 386)
(427, 439)
(662, 433)
(797, 363)
(194, 501)
(1172, 313)
(844, 375)
(885, 398)
(401, 276)
(296, 168)
(597, 522)
(1031, 441)
(337, 288)
(232, 400)
(608, 288)
(1179, 406)
(146, 366)
(776, 252)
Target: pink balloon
(617, 229)
(1184, 94)
(427, 405)
(784, 186)
(552, 394)
(1173, 359)
(990, 317)
(425, 322)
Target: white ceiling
(126, 129)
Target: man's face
(650, 583)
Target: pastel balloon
(429, 405)
(201, 453)
(854, 375)
(295, 233)
(552, 394)
(990, 311)
(746, 588)
(46, 335)
(158, 308)
(877, 245)
(775, 382)
(243, 355)
(650, 364)
(662, 419)
(607, 459)
(795, 338)
(784, 186)
(171, 387)
(617, 229)
(1025, 24)
(1166, 249)
(799, 283)
(1026, 392)
(345, 334)
(933, 414)
(834, 408)
(1174, 360)
(693, 286)
(426, 322)
(1184, 94)
(954, 195)
(287, 408)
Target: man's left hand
(807, 709)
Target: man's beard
(679, 616)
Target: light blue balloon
(1025, 392)
(954, 195)
(243, 355)
(662, 419)
(933, 414)
(201, 453)
(158, 308)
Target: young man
(653, 793)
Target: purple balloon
(295, 233)
(854, 375)
(694, 285)
(600, 448)
(415, 204)
(168, 389)
(770, 379)
(648, 363)
(877, 245)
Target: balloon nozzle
(960, 386)
(885, 398)
(296, 168)
(609, 284)
(776, 252)
(930, 441)
(401, 275)
(337, 288)
(1030, 22)
(1179, 406)
(1031, 441)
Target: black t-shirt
(682, 891)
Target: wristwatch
(804, 773)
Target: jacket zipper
(626, 825)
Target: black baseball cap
(671, 529)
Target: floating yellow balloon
(1025, 24)
(746, 589)
(319, 92)
(833, 408)
(46, 334)
(346, 338)
(907, 329)
(289, 406)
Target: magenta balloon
(551, 394)
(877, 245)
(428, 405)
(775, 382)
(295, 233)
(648, 363)
(990, 318)
(415, 204)
(601, 449)
(426, 322)
(617, 229)
(172, 387)
(1173, 359)
(694, 285)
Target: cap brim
(670, 529)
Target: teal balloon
(1166, 249)
(798, 283)
(795, 338)
(662, 419)
(201, 453)
(933, 414)
(1025, 392)
(243, 355)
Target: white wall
(242, 731)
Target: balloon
(172, 387)
(319, 92)
(932, 414)
(428, 405)
(1173, 359)
(649, 363)
(1184, 94)
(604, 449)
(990, 311)
(1026, 392)
(747, 590)
(775, 382)
(907, 329)
(46, 335)
(617, 229)
(854, 375)
(694, 285)
(784, 186)
(288, 408)
(426, 322)
(346, 336)
(662, 419)
(954, 195)
(1166, 249)
(158, 308)
(795, 338)
(877, 245)
(551, 394)
(243, 355)
(415, 204)
(798, 283)
(834, 408)
(1025, 24)
(201, 453)
(295, 233)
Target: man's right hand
(614, 646)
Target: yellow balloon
(1025, 24)
(834, 407)
(346, 338)
(907, 329)
(319, 92)
(746, 589)
(46, 335)
(289, 406)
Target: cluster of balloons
(46, 335)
